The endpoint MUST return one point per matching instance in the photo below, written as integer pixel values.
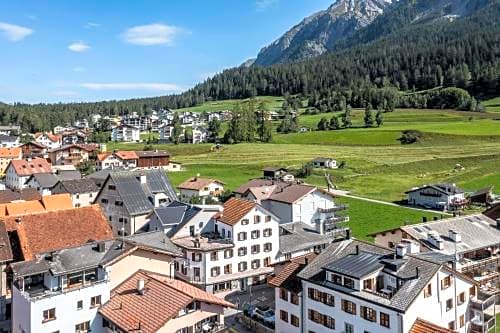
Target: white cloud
(14, 32)
(151, 34)
(90, 25)
(79, 69)
(265, 4)
(162, 87)
(78, 47)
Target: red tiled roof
(197, 183)
(422, 326)
(126, 155)
(101, 157)
(161, 301)
(27, 168)
(290, 270)
(10, 152)
(234, 210)
(54, 230)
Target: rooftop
(161, 301)
(234, 210)
(27, 168)
(298, 236)
(126, 155)
(445, 188)
(10, 152)
(27, 194)
(476, 231)
(423, 326)
(85, 185)
(197, 183)
(287, 276)
(45, 203)
(44, 179)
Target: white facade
(432, 198)
(125, 133)
(210, 190)
(13, 180)
(50, 143)
(10, 142)
(109, 162)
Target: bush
(410, 136)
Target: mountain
(348, 23)
(318, 33)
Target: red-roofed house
(71, 154)
(49, 140)
(19, 171)
(201, 187)
(150, 303)
(7, 155)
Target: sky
(92, 50)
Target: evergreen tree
(379, 118)
(368, 116)
(334, 123)
(213, 128)
(323, 124)
(346, 117)
(177, 130)
(264, 127)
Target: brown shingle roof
(422, 326)
(162, 300)
(260, 183)
(197, 183)
(234, 210)
(27, 168)
(493, 212)
(49, 231)
(287, 276)
(27, 194)
(5, 249)
(292, 193)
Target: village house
(73, 137)
(127, 158)
(7, 155)
(128, 197)
(125, 133)
(152, 159)
(439, 196)
(34, 149)
(482, 196)
(19, 171)
(75, 154)
(8, 195)
(158, 303)
(324, 163)
(470, 244)
(83, 191)
(203, 188)
(107, 161)
(274, 172)
(9, 141)
(233, 250)
(36, 205)
(355, 286)
(10, 129)
(43, 182)
(57, 291)
(49, 140)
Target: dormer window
(348, 282)
(337, 279)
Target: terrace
(204, 242)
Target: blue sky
(90, 50)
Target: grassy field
(492, 105)
(273, 103)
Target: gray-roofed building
(44, 183)
(370, 288)
(443, 196)
(128, 197)
(68, 174)
(172, 216)
(83, 191)
(86, 274)
(473, 239)
(9, 141)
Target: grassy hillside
(492, 105)
(273, 103)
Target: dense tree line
(463, 54)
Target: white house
(324, 163)
(439, 196)
(232, 251)
(83, 191)
(200, 135)
(58, 292)
(9, 141)
(125, 133)
(358, 287)
(49, 140)
(201, 188)
(19, 171)
(106, 161)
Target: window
(255, 264)
(368, 313)
(461, 321)
(256, 219)
(244, 222)
(215, 271)
(449, 304)
(461, 298)
(349, 307)
(242, 236)
(95, 301)
(322, 297)
(268, 218)
(242, 251)
(428, 291)
(348, 328)
(267, 261)
(451, 325)
(228, 269)
(294, 320)
(83, 327)
(242, 266)
(268, 247)
(268, 232)
(119, 203)
(104, 200)
(49, 315)
(111, 187)
(255, 249)
(294, 298)
(284, 316)
(228, 253)
(368, 284)
(349, 283)
(196, 273)
(446, 282)
(196, 256)
(79, 305)
(214, 256)
(472, 291)
(385, 320)
(337, 279)
(255, 234)
(284, 294)
(321, 319)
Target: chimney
(348, 234)
(140, 286)
(101, 247)
(356, 250)
(455, 236)
(293, 227)
(143, 179)
(401, 251)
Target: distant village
(121, 249)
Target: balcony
(39, 291)
(470, 265)
(333, 209)
(483, 301)
(482, 326)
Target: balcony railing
(472, 265)
(483, 301)
(478, 326)
(333, 209)
(39, 292)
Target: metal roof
(298, 236)
(357, 265)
